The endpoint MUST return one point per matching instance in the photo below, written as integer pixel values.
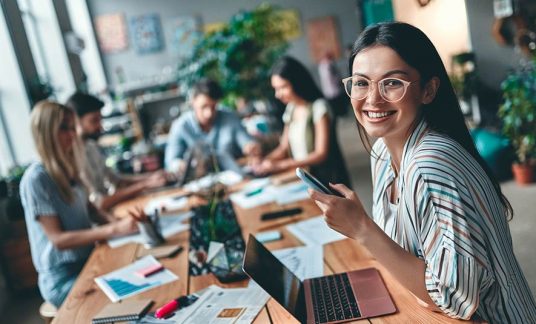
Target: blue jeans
(55, 285)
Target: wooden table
(86, 299)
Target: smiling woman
(439, 220)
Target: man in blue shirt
(219, 130)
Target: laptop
(329, 299)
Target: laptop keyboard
(333, 299)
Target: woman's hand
(263, 167)
(124, 226)
(345, 215)
(156, 180)
(129, 224)
(269, 166)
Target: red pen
(175, 304)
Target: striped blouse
(450, 216)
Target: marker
(150, 270)
(175, 304)
(254, 192)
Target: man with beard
(107, 188)
(209, 128)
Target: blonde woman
(56, 204)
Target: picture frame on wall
(323, 36)
(111, 33)
(184, 33)
(146, 33)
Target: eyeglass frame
(404, 82)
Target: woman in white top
(309, 137)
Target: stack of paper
(224, 305)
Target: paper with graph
(125, 282)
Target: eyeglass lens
(391, 89)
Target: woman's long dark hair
(299, 77)
(443, 114)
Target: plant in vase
(518, 115)
(212, 223)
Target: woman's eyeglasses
(391, 89)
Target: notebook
(129, 310)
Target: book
(130, 310)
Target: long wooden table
(86, 299)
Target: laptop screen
(276, 279)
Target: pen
(175, 304)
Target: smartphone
(314, 183)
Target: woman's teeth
(372, 114)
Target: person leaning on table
(439, 219)
(107, 187)
(309, 138)
(56, 206)
(205, 124)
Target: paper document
(224, 305)
(170, 226)
(314, 231)
(165, 204)
(257, 192)
(291, 192)
(125, 282)
(304, 261)
(227, 178)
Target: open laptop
(328, 299)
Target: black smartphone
(281, 213)
(315, 184)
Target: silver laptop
(329, 299)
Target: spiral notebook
(128, 310)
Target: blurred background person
(330, 83)
(56, 206)
(107, 188)
(309, 137)
(206, 125)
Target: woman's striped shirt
(450, 215)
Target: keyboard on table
(333, 299)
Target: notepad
(130, 310)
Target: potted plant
(239, 55)
(518, 114)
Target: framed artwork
(184, 33)
(146, 33)
(111, 33)
(323, 38)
